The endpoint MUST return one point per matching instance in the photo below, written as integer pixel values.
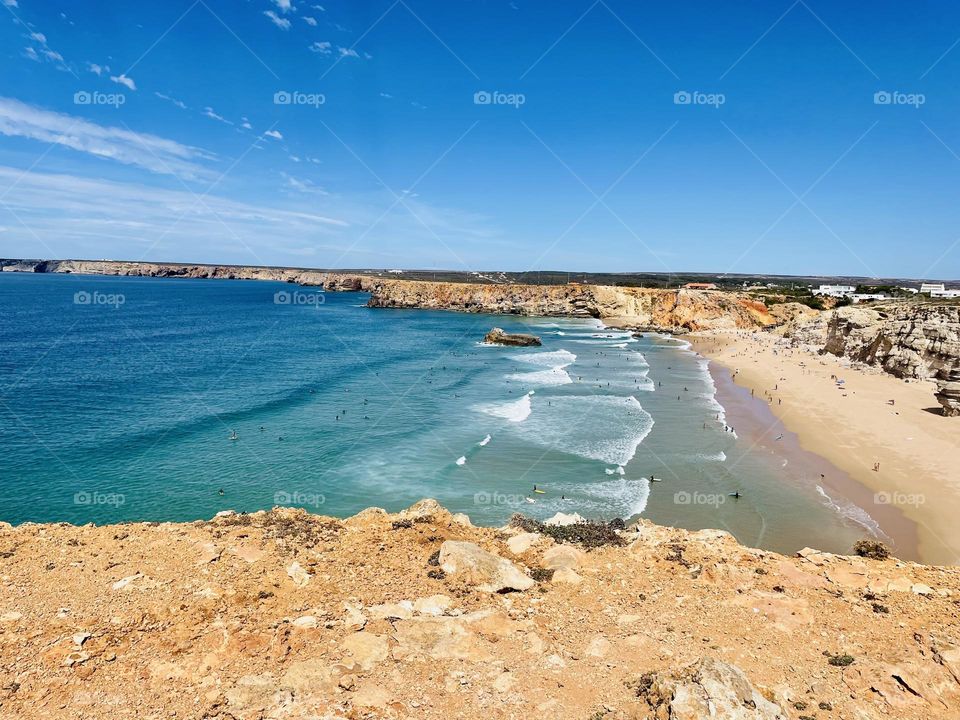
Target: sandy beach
(854, 426)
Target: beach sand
(853, 426)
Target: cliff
(640, 308)
(330, 281)
(283, 614)
(909, 340)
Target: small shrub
(841, 660)
(872, 549)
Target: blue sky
(711, 136)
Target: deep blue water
(118, 398)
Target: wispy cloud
(274, 134)
(178, 103)
(280, 22)
(284, 5)
(312, 22)
(150, 152)
(96, 69)
(122, 79)
(324, 48)
(208, 112)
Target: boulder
(489, 572)
(498, 337)
(948, 392)
(710, 689)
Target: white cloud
(321, 8)
(348, 52)
(246, 124)
(122, 79)
(39, 37)
(274, 134)
(303, 186)
(10, 3)
(208, 112)
(30, 53)
(280, 22)
(324, 48)
(283, 5)
(179, 103)
(386, 95)
(312, 22)
(150, 152)
(97, 70)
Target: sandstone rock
(125, 582)
(305, 622)
(710, 689)
(429, 638)
(563, 557)
(519, 544)
(299, 576)
(498, 337)
(366, 649)
(353, 618)
(566, 576)
(434, 606)
(948, 392)
(562, 519)
(489, 572)
(402, 610)
(907, 340)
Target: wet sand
(853, 426)
(758, 428)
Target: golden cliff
(630, 307)
(283, 614)
(641, 308)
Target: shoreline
(852, 426)
(755, 422)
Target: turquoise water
(119, 396)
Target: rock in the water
(498, 337)
(489, 572)
(948, 393)
(710, 689)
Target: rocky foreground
(283, 614)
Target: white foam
(552, 359)
(515, 410)
(853, 512)
(607, 428)
(484, 441)
(553, 376)
(462, 460)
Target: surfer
(220, 492)
(735, 495)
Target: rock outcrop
(948, 393)
(909, 340)
(283, 614)
(640, 308)
(498, 337)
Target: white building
(945, 293)
(931, 287)
(860, 297)
(835, 290)
(909, 290)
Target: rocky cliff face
(669, 310)
(283, 614)
(908, 340)
(329, 281)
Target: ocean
(129, 399)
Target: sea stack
(498, 337)
(948, 392)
